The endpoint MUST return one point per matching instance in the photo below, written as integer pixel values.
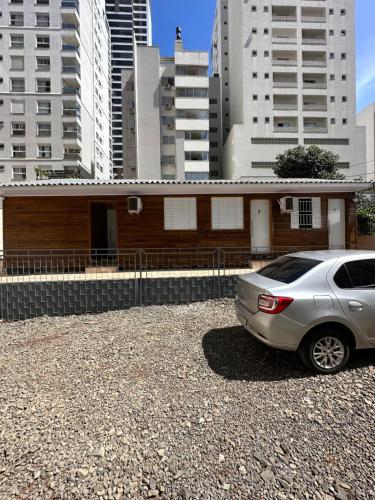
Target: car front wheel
(325, 351)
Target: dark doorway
(103, 227)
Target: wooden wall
(64, 223)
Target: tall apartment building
(54, 90)
(366, 118)
(166, 115)
(290, 69)
(128, 20)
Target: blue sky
(196, 18)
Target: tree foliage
(308, 163)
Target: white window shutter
(294, 216)
(227, 213)
(180, 214)
(316, 210)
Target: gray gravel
(176, 402)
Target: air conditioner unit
(168, 106)
(170, 126)
(134, 205)
(286, 205)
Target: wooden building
(260, 214)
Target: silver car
(319, 303)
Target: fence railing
(61, 282)
(366, 226)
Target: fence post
(218, 271)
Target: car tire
(325, 351)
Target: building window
(17, 84)
(18, 173)
(255, 97)
(44, 129)
(193, 114)
(17, 63)
(168, 160)
(255, 75)
(199, 135)
(344, 121)
(213, 101)
(343, 78)
(44, 107)
(43, 63)
(43, 85)
(42, 20)
(332, 98)
(254, 53)
(305, 213)
(266, 76)
(42, 42)
(18, 151)
(265, 9)
(254, 31)
(331, 12)
(343, 56)
(196, 156)
(344, 98)
(180, 214)
(343, 12)
(16, 18)
(18, 129)
(42, 2)
(214, 144)
(44, 151)
(255, 119)
(227, 213)
(253, 8)
(331, 55)
(333, 121)
(267, 119)
(266, 31)
(168, 139)
(331, 77)
(331, 32)
(16, 41)
(191, 92)
(191, 70)
(266, 53)
(343, 33)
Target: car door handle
(355, 306)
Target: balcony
(71, 112)
(71, 91)
(286, 106)
(68, 47)
(314, 85)
(70, 4)
(314, 37)
(284, 36)
(72, 69)
(72, 156)
(313, 19)
(315, 126)
(313, 15)
(285, 85)
(284, 13)
(285, 125)
(308, 106)
(284, 62)
(314, 41)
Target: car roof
(343, 255)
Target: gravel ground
(176, 402)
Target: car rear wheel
(325, 351)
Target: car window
(288, 269)
(356, 274)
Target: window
(168, 139)
(43, 85)
(343, 78)
(227, 213)
(266, 31)
(343, 55)
(331, 12)
(331, 32)
(342, 12)
(255, 97)
(288, 269)
(331, 55)
(16, 18)
(306, 213)
(266, 76)
(191, 92)
(192, 114)
(17, 84)
(19, 173)
(42, 20)
(344, 98)
(255, 75)
(267, 97)
(265, 9)
(344, 121)
(180, 214)
(42, 2)
(18, 151)
(255, 119)
(18, 107)
(253, 8)
(17, 63)
(16, 41)
(44, 151)
(332, 98)
(356, 274)
(333, 121)
(44, 129)
(343, 33)
(43, 63)
(20, 2)
(254, 31)
(42, 41)
(168, 160)
(191, 70)
(214, 144)
(254, 53)
(266, 53)
(18, 129)
(331, 77)
(213, 101)
(267, 119)
(196, 156)
(44, 107)
(197, 135)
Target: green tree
(308, 163)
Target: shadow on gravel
(235, 355)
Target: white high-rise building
(166, 115)
(287, 73)
(129, 20)
(54, 90)
(366, 118)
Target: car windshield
(288, 269)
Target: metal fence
(61, 282)
(366, 226)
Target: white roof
(87, 187)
